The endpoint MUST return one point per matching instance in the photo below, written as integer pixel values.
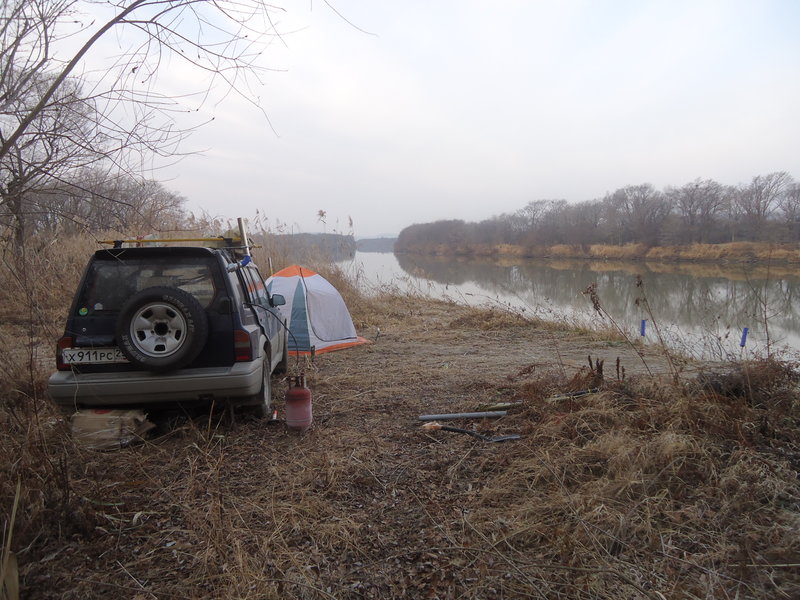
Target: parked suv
(160, 326)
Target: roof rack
(225, 242)
(241, 243)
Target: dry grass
(644, 489)
(693, 495)
(735, 252)
(637, 489)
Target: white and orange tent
(315, 311)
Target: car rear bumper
(71, 389)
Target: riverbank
(642, 488)
(735, 252)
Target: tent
(317, 316)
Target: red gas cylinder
(298, 404)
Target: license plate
(92, 356)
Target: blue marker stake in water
(744, 337)
(644, 322)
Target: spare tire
(161, 328)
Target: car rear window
(109, 283)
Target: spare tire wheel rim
(158, 329)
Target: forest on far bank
(767, 209)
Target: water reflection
(700, 309)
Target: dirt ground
(367, 504)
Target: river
(700, 310)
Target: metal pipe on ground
(494, 414)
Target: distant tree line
(334, 246)
(93, 201)
(701, 211)
(376, 245)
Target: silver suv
(160, 326)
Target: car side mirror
(277, 300)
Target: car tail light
(242, 346)
(64, 342)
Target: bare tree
(28, 31)
(222, 39)
(584, 223)
(58, 116)
(148, 207)
(533, 220)
(62, 139)
(758, 200)
(790, 210)
(99, 201)
(698, 205)
(640, 212)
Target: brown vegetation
(736, 252)
(643, 489)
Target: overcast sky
(466, 109)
